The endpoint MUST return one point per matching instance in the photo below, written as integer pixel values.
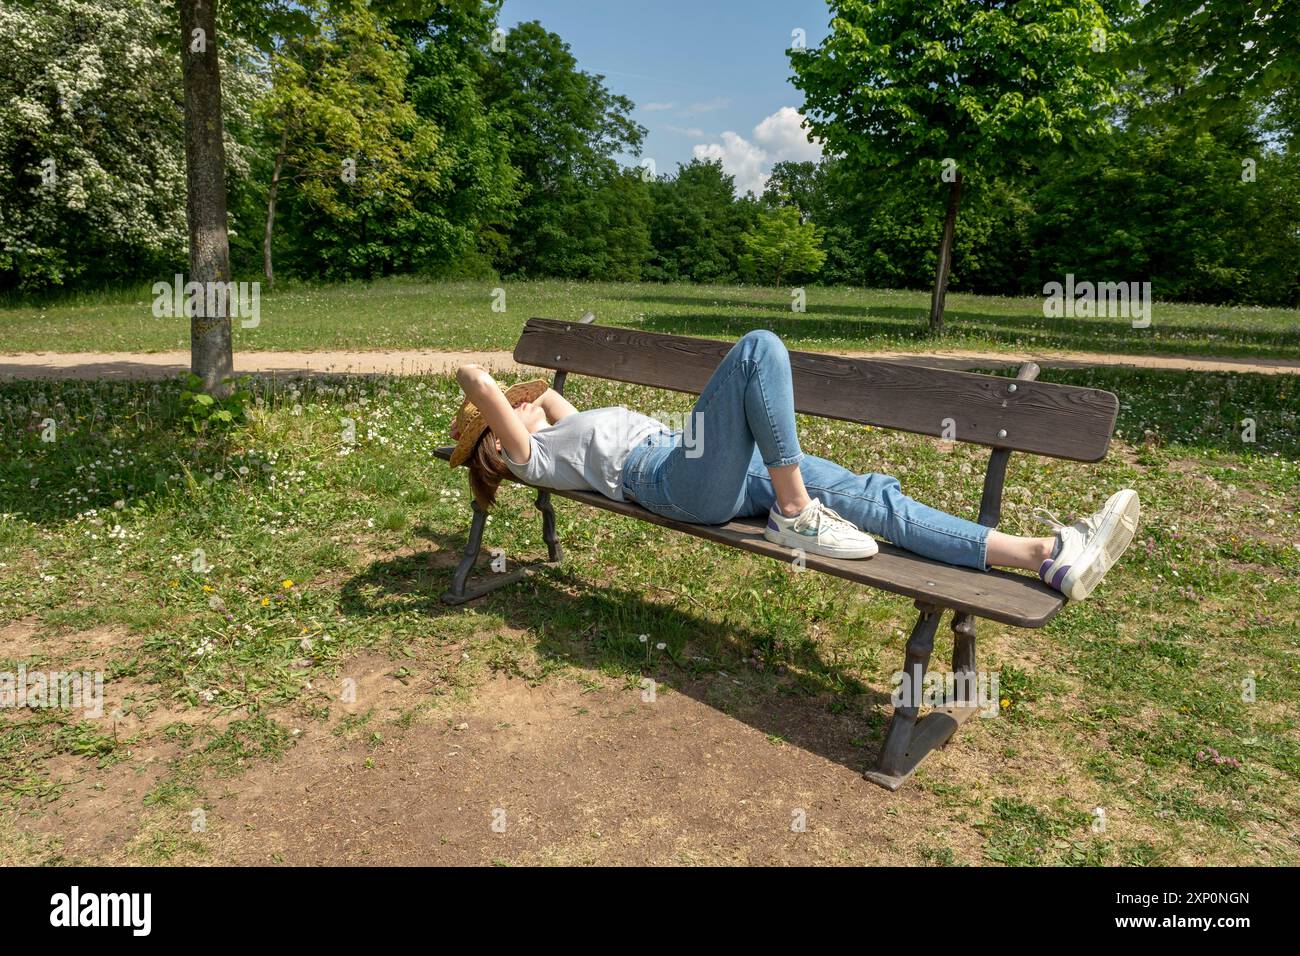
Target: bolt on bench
(1060, 421)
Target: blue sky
(709, 78)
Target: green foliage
(781, 245)
(1189, 222)
(93, 188)
(577, 215)
(358, 159)
(697, 224)
(477, 158)
(1219, 52)
(896, 82)
(204, 413)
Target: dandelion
(265, 601)
(287, 583)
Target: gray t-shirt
(585, 451)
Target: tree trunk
(205, 202)
(945, 258)
(270, 210)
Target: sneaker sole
(810, 546)
(1114, 534)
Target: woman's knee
(762, 342)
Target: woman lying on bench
(742, 457)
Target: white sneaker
(819, 530)
(1087, 549)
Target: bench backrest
(1063, 421)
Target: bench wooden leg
(909, 739)
(461, 590)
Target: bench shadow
(830, 715)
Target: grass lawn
(405, 313)
(320, 554)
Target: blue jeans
(742, 424)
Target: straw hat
(471, 423)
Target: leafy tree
(1219, 53)
(565, 129)
(267, 24)
(956, 88)
(357, 151)
(448, 50)
(1195, 221)
(696, 225)
(779, 244)
(94, 189)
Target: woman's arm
(555, 405)
(480, 389)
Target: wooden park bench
(1005, 414)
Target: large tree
(696, 225)
(94, 189)
(957, 89)
(566, 130)
(347, 140)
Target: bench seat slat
(1063, 421)
(1015, 599)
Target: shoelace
(1048, 518)
(828, 516)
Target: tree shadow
(823, 320)
(822, 711)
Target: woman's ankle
(794, 507)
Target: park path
(160, 365)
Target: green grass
(407, 313)
(317, 552)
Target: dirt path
(159, 365)
(570, 772)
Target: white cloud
(658, 107)
(740, 158)
(692, 131)
(782, 134)
(778, 138)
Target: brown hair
(486, 469)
